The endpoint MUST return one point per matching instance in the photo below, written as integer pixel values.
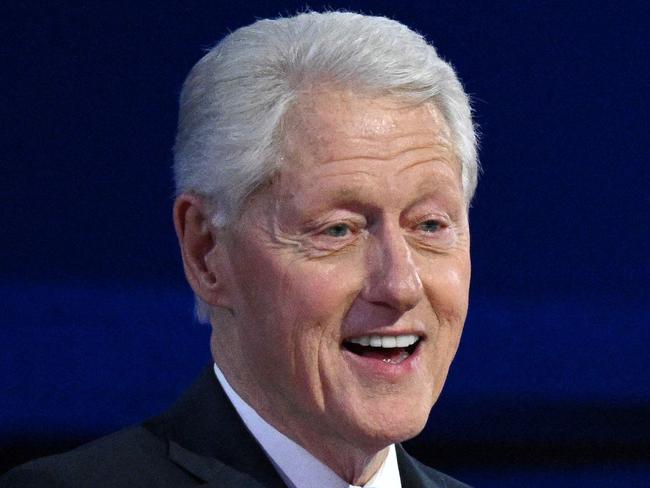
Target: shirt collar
(298, 467)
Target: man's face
(362, 238)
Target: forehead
(342, 134)
(329, 125)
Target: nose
(392, 277)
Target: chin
(389, 426)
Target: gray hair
(234, 100)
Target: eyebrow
(354, 197)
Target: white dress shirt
(297, 467)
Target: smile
(389, 349)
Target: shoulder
(130, 457)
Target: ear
(203, 250)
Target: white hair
(233, 101)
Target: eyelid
(325, 231)
(442, 219)
(353, 229)
(440, 237)
(354, 221)
(438, 223)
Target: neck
(354, 464)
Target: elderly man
(324, 166)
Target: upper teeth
(386, 341)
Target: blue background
(551, 385)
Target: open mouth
(389, 349)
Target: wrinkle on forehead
(333, 125)
(418, 162)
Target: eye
(430, 226)
(337, 230)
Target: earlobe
(202, 250)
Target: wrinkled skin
(365, 230)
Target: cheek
(447, 288)
(448, 297)
(293, 296)
(447, 292)
(321, 292)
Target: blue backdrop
(551, 385)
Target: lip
(366, 366)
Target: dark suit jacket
(200, 441)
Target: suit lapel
(202, 467)
(207, 438)
(208, 469)
(411, 475)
